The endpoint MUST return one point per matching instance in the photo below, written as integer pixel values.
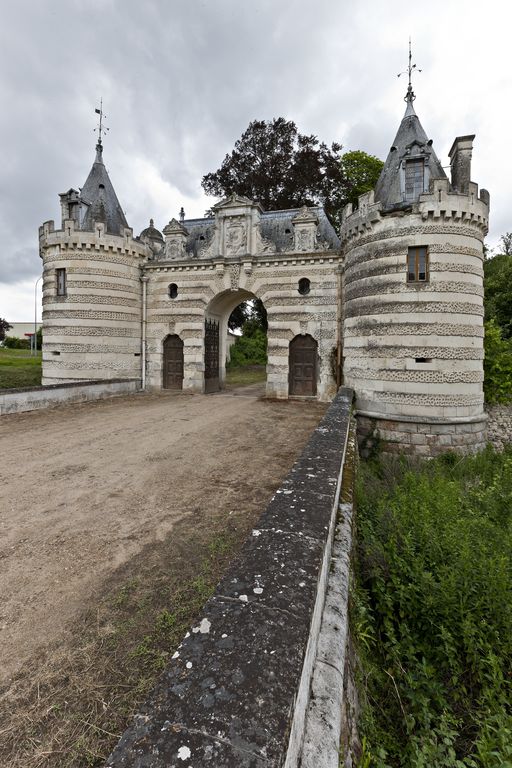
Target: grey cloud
(181, 80)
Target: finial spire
(410, 95)
(101, 128)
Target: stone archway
(303, 366)
(215, 336)
(172, 372)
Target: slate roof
(276, 226)
(387, 189)
(101, 198)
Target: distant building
(22, 330)
(394, 308)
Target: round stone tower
(91, 286)
(413, 300)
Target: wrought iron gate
(211, 356)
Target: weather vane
(410, 95)
(101, 128)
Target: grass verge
(432, 612)
(19, 369)
(245, 375)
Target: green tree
(361, 172)
(498, 292)
(4, 327)
(497, 365)
(506, 242)
(253, 311)
(275, 165)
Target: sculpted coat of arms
(235, 238)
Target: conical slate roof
(411, 142)
(98, 193)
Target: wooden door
(303, 366)
(173, 362)
(211, 356)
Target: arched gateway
(203, 268)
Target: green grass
(19, 369)
(245, 375)
(432, 612)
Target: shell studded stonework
(234, 276)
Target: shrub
(433, 608)
(497, 365)
(249, 349)
(13, 342)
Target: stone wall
(20, 400)
(499, 425)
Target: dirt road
(87, 488)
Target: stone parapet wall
(237, 691)
(21, 400)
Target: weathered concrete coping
(237, 689)
(33, 398)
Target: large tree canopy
(279, 167)
(275, 165)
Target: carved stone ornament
(235, 237)
(174, 248)
(305, 225)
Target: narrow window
(173, 290)
(414, 179)
(304, 286)
(417, 264)
(61, 282)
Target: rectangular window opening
(61, 282)
(423, 359)
(417, 264)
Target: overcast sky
(182, 79)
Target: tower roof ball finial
(410, 95)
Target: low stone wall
(20, 400)
(499, 425)
(237, 691)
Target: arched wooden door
(211, 356)
(173, 362)
(303, 366)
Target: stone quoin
(392, 307)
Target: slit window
(414, 179)
(61, 282)
(417, 264)
(173, 291)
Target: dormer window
(414, 179)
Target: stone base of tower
(419, 438)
